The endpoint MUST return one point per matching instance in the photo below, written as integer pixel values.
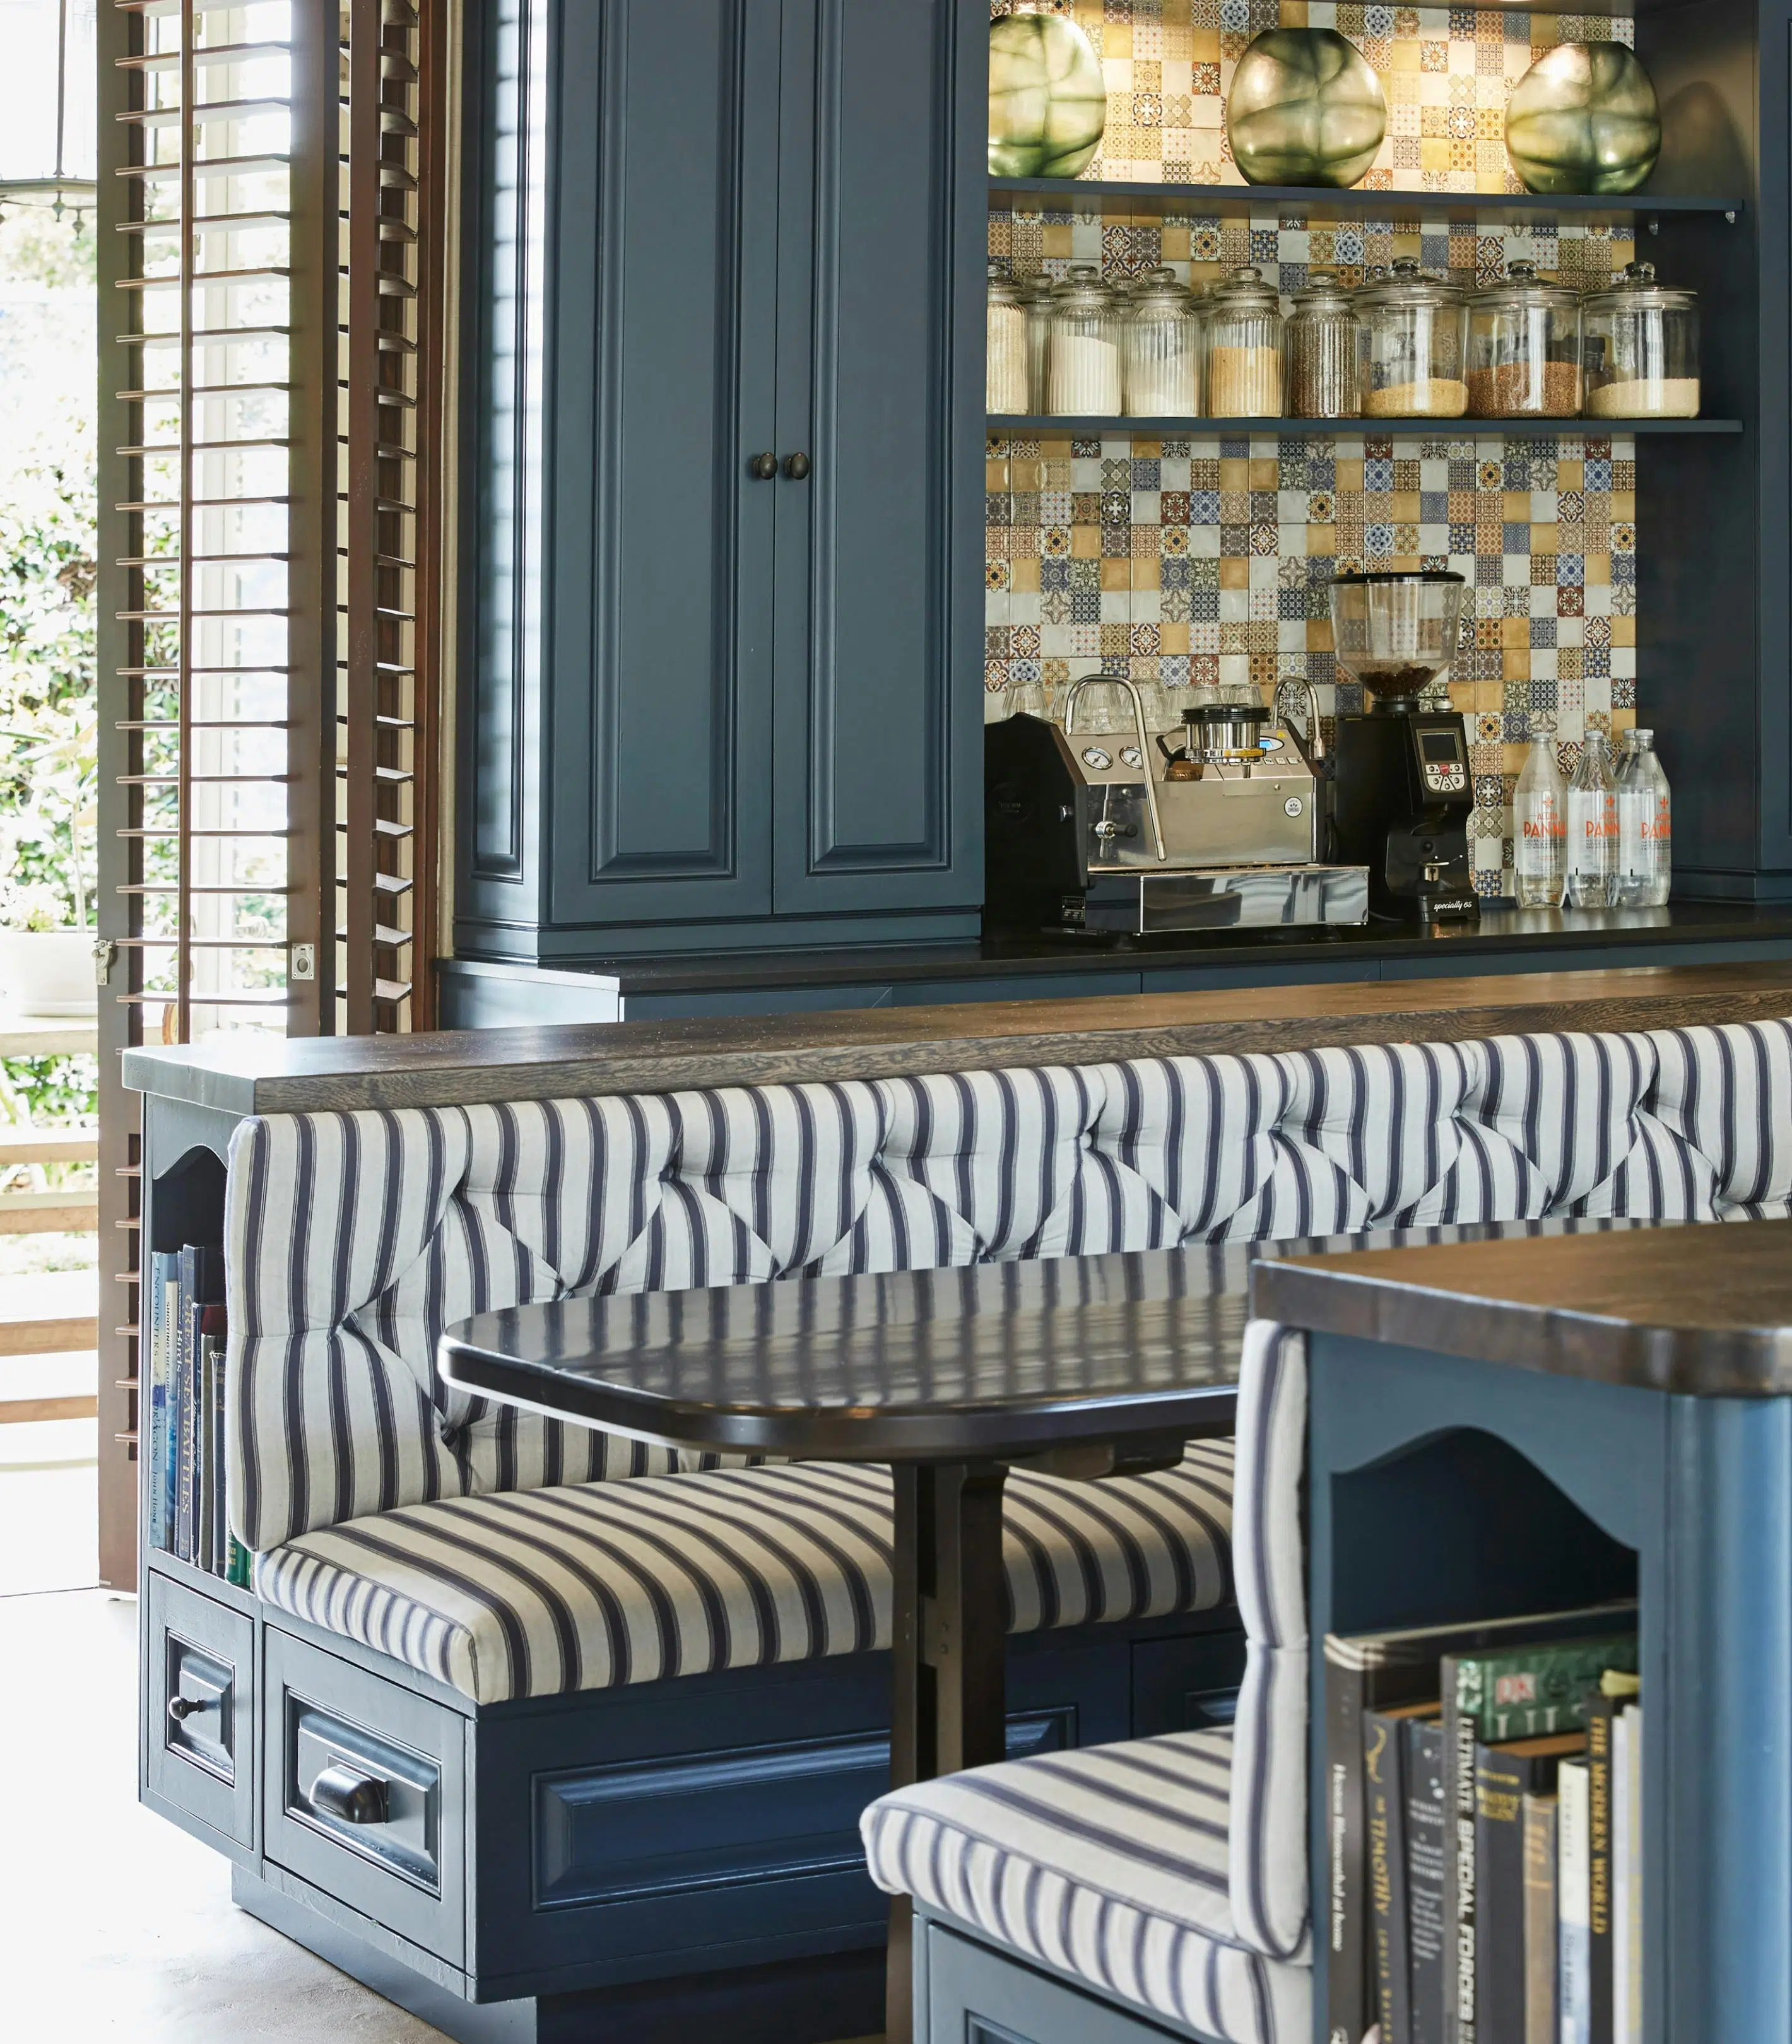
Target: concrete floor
(114, 1924)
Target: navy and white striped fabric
(1267, 1857)
(352, 1239)
(540, 1591)
(1170, 1873)
(1110, 1864)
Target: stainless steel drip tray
(1220, 897)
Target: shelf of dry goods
(1314, 202)
(1013, 424)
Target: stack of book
(185, 1469)
(1484, 1819)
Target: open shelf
(1317, 202)
(1431, 429)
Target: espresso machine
(1402, 791)
(1100, 824)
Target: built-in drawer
(363, 1792)
(199, 1709)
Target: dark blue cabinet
(703, 703)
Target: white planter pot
(48, 972)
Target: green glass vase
(1048, 106)
(1305, 109)
(1584, 118)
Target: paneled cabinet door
(658, 658)
(882, 230)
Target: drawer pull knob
(339, 1791)
(181, 1708)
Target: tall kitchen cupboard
(722, 639)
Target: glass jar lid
(1040, 290)
(1003, 289)
(1406, 284)
(1524, 287)
(1636, 286)
(1083, 290)
(1159, 291)
(1324, 294)
(1245, 291)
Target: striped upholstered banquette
(493, 1549)
(1168, 1872)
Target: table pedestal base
(950, 1646)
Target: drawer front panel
(364, 1792)
(647, 1829)
(199, 1708)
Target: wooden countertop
(246, 1073)
(1703, 1308)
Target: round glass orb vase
(1305, 109)
(1584, 118)
(1048, 106)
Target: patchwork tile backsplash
(1192, 561)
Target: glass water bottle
(1540, 828)
(1645, 824)
(1592, 827)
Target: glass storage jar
(1244, 348)
(1037, 295)
(1523, 348)
(1414, 327)
(1083, 353)
(1322, 344)
(1640, 342)
(1006, 361)
(1163, 350)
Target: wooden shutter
(272, 264)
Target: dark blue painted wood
(882, 238)
(707, 230)
(658, 576)
(1700, 1490)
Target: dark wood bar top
(1499, 930)
(1704, 1310)
(251, 1073)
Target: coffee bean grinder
(1402, 792)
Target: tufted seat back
(354, 1238)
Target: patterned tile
(1197, 562)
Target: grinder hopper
(1396, 634)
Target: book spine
(1627, 1875)
(1541, 2026)
(202, 1472)
(1599, 1872)
(158, 1462)
(1385, 1815)
(184, 1360)
(1459, 1862)
(220, 1548)
(170, 1289)
(1424, 1743)
(1573, 1952)
(1347, 1998)
(1499, 1898)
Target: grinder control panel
(1442, 767)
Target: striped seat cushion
(1109, 1865)
(589, 1586)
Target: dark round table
(1084, 1367)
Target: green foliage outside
(48, 508)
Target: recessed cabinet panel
(363, 1792)
(878, 656)
(665, 329)
(199, 1702)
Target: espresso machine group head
(1402, 792)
